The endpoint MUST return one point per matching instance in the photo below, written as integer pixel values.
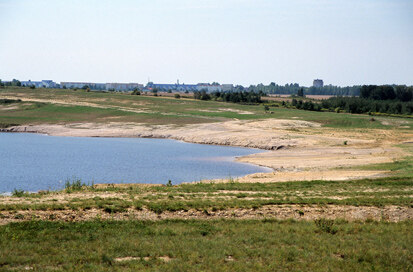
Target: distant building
(78, 85)
(123, 86)
(318, 83)
(227, 87)
(40, 84)
(172, 87)
(208, 87)
(102, 86)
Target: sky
(345, 43)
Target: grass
(224, 196)
(218, 245)
(76, 185)
(18, 193)
(105, 107)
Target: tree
(205, 95)
(404, 93)
(300, 92)
(136, 92)
(16, 82)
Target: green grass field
(193, 245)
(119, 107)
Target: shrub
(75, 185)
(18, 193)
(177, 96)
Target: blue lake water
(33, 162)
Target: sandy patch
(306, 159)
(309, 175)
(130, 258)
(6, 108)
(235, 110)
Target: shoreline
(235, 159)
(292, 150)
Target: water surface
(33, 162)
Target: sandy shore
(298, 150)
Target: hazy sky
(230, 41)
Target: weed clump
(18, 193)
(326, 225)
(107, 260)
(76, 185)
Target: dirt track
(298, 212)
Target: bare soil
(298, 212)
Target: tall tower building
(318, 83)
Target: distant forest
(293, 89)
(386, 99)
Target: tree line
(387, 99)
(234, 96)
(387, 92)
(14, 83)
(293, 88)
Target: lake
(33, 162)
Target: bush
(75, 185)
(9, 101)
(326, 225)
(18, 193)
(177, 96)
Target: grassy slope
(159, 110)
(224, 245)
